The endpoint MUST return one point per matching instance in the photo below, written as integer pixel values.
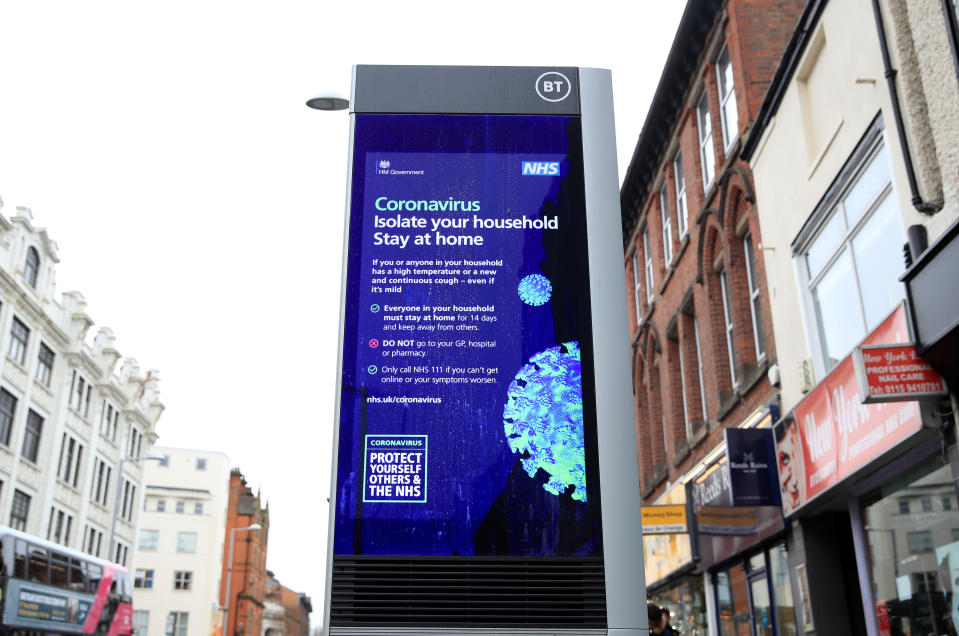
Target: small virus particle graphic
(543, 418)
(535, 290)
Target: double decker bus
(50, 589)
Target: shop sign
(664, 519)
(752, 472)
(727, 521)
(712, 488)
(830, 434)
(665, 554)
(893, 373)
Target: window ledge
(65, 484)
(30, 463)
(43, 387)
(680, 452)
(700, 430)
(669, 275)
(17, 364)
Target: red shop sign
(893, 373)
(830, 433)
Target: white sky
(198, 204)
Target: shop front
(872, 487)
(672, 580)
(741, 533)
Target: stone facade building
(180, 548)
(75, 420)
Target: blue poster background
(481, 498)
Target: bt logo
(541, 168)
(553, 86)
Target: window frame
(728, 326)
(32, 434)
(648, 266)
(7, 419)
(19, 341)
(148, 539)
(145, 577)
(181, 546)
(682, 207)
(728, 100)
(872, 144)
(704, 130)
(637, 288)
(44, 373)
(667, 224)
(31, 267)
(755, 298)
(20, 503)
(182, 580)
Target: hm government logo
(383, 166)
(553, 86)
(541, 168)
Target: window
(728, 320)
(198, 508)
(58, 529)
(699, 364)
(759, 338)
(135, 440)
(31, 436)
(181, 507)
(120, 554)
(947, 503)
(80, 391)
(19, 510)
(682, 381)
(904, 506)
(100, 489)
(143, 579)
(149, 539)
(727, 98)
(186, 542)
(161, 505)
(927, 504)
(141, 622)
(919, 541)
(129, 500)
(8, 406)
(176, 624)
(637, 293)
(32, 267)
(45, 357)
(682, 214)
(19, 336)
(851, 273)
(71, 453)
(667, 227)
(109, 421)
(182, 580)
(707, 155)
(649, 265)
(94, 541)
(201, 463)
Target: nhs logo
(541, 168)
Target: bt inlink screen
(467, 421)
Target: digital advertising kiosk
(485, 475)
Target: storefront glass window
(686, 602)
(914, 560)
(733, 602)
(782, 591)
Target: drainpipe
(924, 207)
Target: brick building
(248, 572)
(703, 357)
(287, 612)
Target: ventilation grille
(468, 591)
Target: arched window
(32, 267)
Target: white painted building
(180, 547)
(70, 412)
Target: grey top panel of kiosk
(467, 90)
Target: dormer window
(32, 266)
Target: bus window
(77, 579)
(125, 587)
(20, 559)
(94, 574)
(37, 569)
(59, 570)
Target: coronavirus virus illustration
(535, 290)
(543, 418)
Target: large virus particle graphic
(535, 290)
(543, 418)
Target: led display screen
(467, 408)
